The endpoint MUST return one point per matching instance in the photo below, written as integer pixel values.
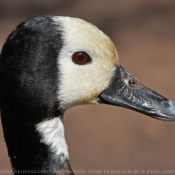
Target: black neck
(26, 151)
(28, 92)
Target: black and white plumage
(39, 81)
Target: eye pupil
(81, 58)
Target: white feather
(52, 132)
(81, 84)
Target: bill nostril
(132, 83)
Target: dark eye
(81, 58)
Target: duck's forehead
(80, 35)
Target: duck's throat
(52, 135)
(36, 148)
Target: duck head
(49, 64)
(90, 73)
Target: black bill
(126, 91)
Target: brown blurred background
(105, 137)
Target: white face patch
(52, 132)
(81, 84)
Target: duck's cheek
(92, 98)
(97, 86)
(81, 84)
